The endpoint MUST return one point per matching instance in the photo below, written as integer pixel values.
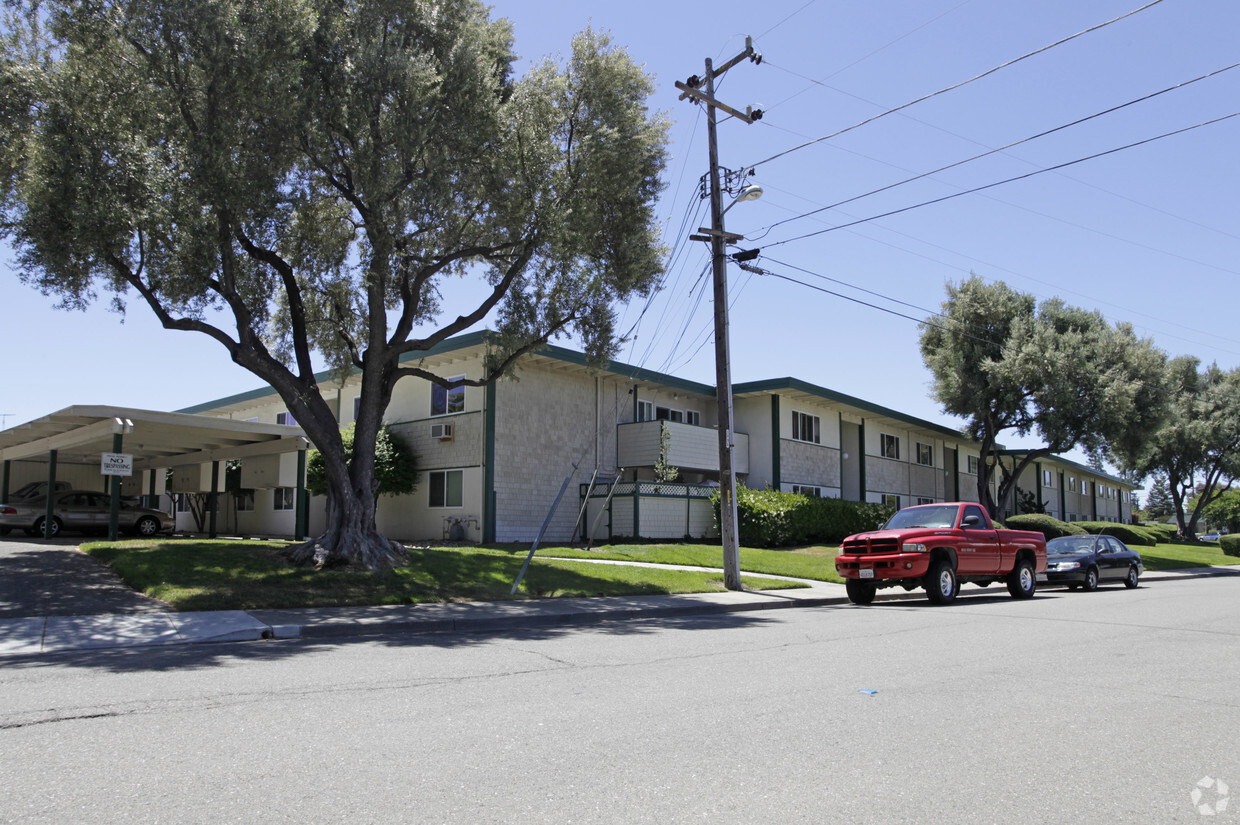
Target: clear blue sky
(1149, 235)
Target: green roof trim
(1081, 467)
(473, 339)
(797, 385)
(469, 339)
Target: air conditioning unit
(443, 432)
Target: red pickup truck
(940, 547)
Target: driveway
(51, 578)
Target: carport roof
(80, 434)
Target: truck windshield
(924, 517)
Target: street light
(751, 192)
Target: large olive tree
(1004, 363)
(1195, 454)
(302, 178)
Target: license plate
(1042, 577)
(865, 574)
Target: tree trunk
(350, 538)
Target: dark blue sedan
(1087, 561)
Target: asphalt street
(1113, 706)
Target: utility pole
(723, 369)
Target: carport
(125, 443)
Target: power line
(950, 325)
(989, 152)
(987, 73)
(862, 59)
(1008, 180)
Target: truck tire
(1022, 581)
(941, 583)
(860, 592)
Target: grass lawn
(817, 562)
(193, 574)
(197, 574)
(1174, 556)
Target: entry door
(850, 461)
(979, 553)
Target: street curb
(554, 618)
(599, 612)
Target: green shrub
(1163, 532)
(1230, 544)
(769, 518)
(1153, 536)
(1124, 532)
(1048, 526)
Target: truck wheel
(1022, 582)
(1091, 580)
(941, 585)
(860, 592)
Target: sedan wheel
(38, 527)
(1131, 580)
(1091, 580)
(147, 526)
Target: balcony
(689, 447)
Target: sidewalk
(50, 634)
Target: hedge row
(1230, 544)
(1164, 532)
(1127, 533)
(1048, 526)
(769, 518)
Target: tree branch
(296, 306)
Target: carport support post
(213, 498)
(4, 483)
(299, 519)
(51, 494)
(114, 506)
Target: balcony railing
(689, 447)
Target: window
(889, 446)
(283, 498)
(693, 417)
(244, 500)
(183, 503)
(645, 411)
(924, 500)
(1047, 478)
(286, 418)
(806, 427)
(976, 512)
(445, 401)
(668, 414)
(891, 501)
(925, 454)
(447, 488)
(807, 490)
(973, 465)
(1071, 484)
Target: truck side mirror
(970, 521)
